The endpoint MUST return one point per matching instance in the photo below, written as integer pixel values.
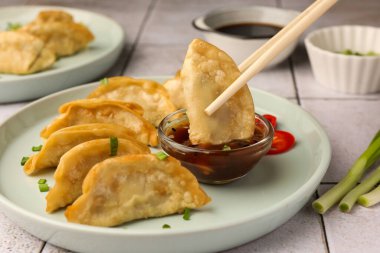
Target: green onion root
(335, 194)
(327, 200)
(371, 198)
(350, 199)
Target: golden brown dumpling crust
(59, 32)
(75, 164)
(207, 71)
(104, 111)
(153, 98)
(175, 90)
(22, 53)
(54, 16)
(132, 187)
(63, 140)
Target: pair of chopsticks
(263, 56)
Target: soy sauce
(213, 164)
(180, 134)
(250, 30)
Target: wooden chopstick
(262, 57)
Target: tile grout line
(138, 36)
(279, 4)
(43, 246)
(292, 72)
(323, 227)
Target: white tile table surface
(158, 32)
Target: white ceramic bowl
(240, 48)
(345, 73)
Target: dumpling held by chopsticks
(207, 71)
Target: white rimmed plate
(239, 212)
(80, 68)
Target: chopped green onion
(104, 81)
(353, 176)
(161, 155)
(365, 186)
(372, 53)
(43, 187)
(42, 181)
(114, 144)
(166, 226)
(226, 147)
(13, 26)
(24, 160)
(347, 52)
(371, 198)
(186, 214)
(36, 148)
(350, 52)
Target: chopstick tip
(209, 110)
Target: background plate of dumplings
(97, 58)
(241, 211)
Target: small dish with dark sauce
(242, 30)
(214, 164)
(250, 30)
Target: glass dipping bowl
(215, 166)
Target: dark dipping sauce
(213, 164)
(180, 134)
(250, 30)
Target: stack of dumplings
(65, 139)
(116, 112)
(22, 53)
(60, 32)
(152, 96)
(101, 188)
(37, 45)
(98, 146)
(77, 162)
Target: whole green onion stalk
(365, 186)
(335, 194)
(371, 198)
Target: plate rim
(314, 179)
(50, 72)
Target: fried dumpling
(207, 71)
(153, 98)
(132, 187)
(175, 90)
(60, 33)
(63, 140)
(22, 53)
(104, 111)
(53, 16)
(75, 164)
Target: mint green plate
(100, 55)
(239, 212)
